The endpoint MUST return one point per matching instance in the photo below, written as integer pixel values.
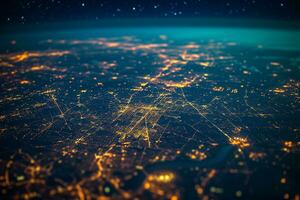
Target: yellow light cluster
(196, 155)
(239, 141)
(289, 145)
(160, 183)
(26, 55)
(161, 177)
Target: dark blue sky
(41, 11)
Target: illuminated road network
(148, 116)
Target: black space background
(43, 11)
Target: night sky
(43, 11)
